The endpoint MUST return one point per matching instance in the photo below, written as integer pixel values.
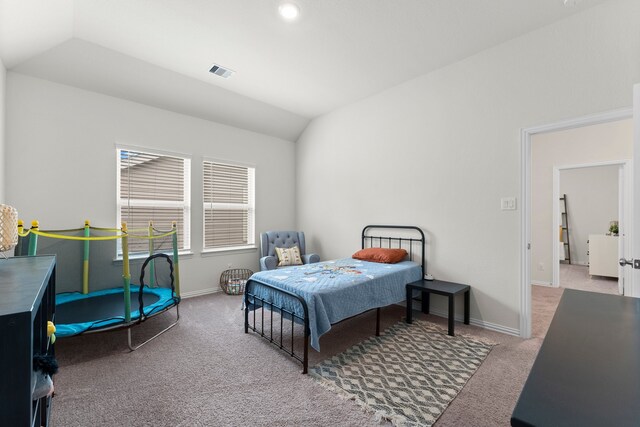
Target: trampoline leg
(134, 348)
(129, 340)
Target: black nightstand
(440, 287)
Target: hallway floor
(574, 276)
(545, 299)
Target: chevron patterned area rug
(408, 375)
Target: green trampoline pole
(85, 260)
(126, 275)
(176, 265)
(33, 238)
(152, 270)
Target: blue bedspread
(336, 290)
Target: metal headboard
(382, 240)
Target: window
(229, 211)
(154, 187)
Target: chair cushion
(282, 239)
(384, 255)
(288, 256)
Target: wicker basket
(8, 228)
(232, 281)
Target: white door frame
(625, 206)
(525, 252)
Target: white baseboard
(476, 322)
(192, 294)
(541, 283)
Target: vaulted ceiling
(159, 52)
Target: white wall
(441, 150)
(592, 195)
(61, 169)
(588, 144)
(3, 80)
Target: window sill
(137, 257)
(237, 249)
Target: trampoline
(76, 313)
(85, 312)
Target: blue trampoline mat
(77, 313)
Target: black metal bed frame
(253, 302)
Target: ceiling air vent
(221, 71)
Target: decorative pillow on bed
(288, 256)
(387, 256)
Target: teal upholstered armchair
(282, 239)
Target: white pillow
(288, 256)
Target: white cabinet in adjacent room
(603, 255)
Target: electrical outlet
(508, 203)
(229, 265)
(541, 266)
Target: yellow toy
(51, 331)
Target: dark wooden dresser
(587, 372)
(27, 302)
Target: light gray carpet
(407, 375)
(573, 276)
(206, 372)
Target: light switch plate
(508, 203)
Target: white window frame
(186, 204)
(251, 206)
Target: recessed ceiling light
(289, 11)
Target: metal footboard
(253, 303)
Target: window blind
(153, 187)
(229, 214)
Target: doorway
(591, 210)
(586, 132)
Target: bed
(316, 296)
